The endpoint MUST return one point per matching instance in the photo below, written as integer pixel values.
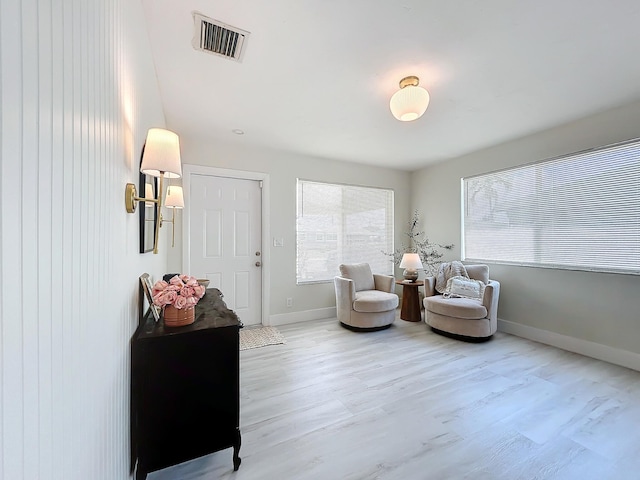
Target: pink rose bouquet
(182, 291)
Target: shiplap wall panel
(44, 197)
(30, 173)
(78, 94)
(58, 213)
(12, 392)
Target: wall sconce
(173, 200)
(411, 263)
(160, 158)
(411, 101)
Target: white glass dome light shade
(410, 102)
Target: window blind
(580, 211)
(342, 224)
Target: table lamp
(411, 263)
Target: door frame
(187, 171)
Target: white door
(225, 240)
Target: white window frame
(577, 212)
(343, 240)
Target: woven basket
(174, 317)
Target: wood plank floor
(405, 403)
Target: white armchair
(365, 301)
(464, 318)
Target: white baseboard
(304, 316)
(583, 347)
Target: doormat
(260, 337)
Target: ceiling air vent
(215, 37)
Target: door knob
(258, 264)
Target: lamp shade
(175, 197)
(148, 193)
(161, 154)
(410, 102)
(411, 261)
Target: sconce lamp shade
(161, 154)
(411, 261)
(411, 101)
(175, 197)
(148, 193)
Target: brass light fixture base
(130, 197)
(410, 80)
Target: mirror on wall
(148, 186)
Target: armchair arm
(345, 294)
(430, 286)
(490, 299)
(384, 283)
(345, 287)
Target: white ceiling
(317, 76)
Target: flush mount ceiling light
(411, 101)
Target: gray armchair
(464, 318)
(365, 301)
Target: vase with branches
(418, 242)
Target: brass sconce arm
(173, 225)
(173, 200)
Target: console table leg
(236, 451)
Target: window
(342, 224)
(580, 211)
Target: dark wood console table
(185, 388)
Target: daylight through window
(342, 224)
(580, 211)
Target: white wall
(600, 310)
(78, 93)
(283, 170)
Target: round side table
(410, 310)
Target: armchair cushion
(479, 272)
(465, 308)
(361, 275)
(374, 301)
